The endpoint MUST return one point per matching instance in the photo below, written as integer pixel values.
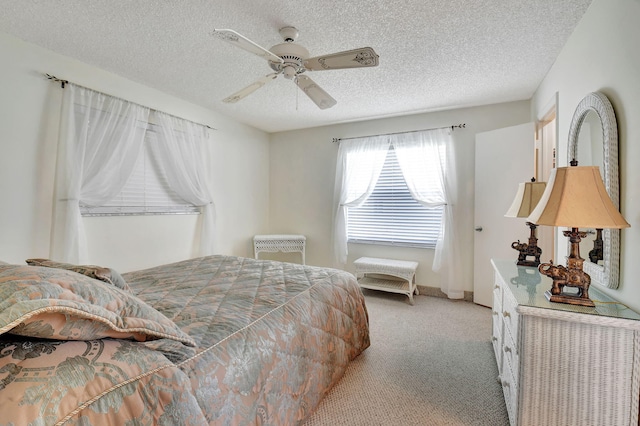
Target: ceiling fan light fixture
(289, 72)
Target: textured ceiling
(434, 54)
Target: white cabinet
(561, 364)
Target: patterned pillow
(54, 303)
(107, 275)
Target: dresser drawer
(510, 391)
(510, 357)
(498, 286)
(496, 340)
(510, 315)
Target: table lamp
(575, 197)
(527, 197)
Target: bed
(213, 340)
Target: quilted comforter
(271, 339)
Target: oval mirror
(590, 153)
(593, 141)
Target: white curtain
(358, 167)
(427, 161)
(100, 139)
(180, 150)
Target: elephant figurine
(571, 276)
(557, 273)
(527, 250)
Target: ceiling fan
(292, 60)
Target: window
(391, 216)
(147, 190)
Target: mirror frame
(607, 274)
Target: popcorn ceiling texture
(434, 55)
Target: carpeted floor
(428, 364)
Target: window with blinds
(391, 216)
(147, 191)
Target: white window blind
(391, 216)
(147, 191)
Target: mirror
(590, 152)
(593, 140)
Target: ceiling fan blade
(356, 58)
(315, 92)
(242, 42)
(249, 89)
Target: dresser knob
(494, 338)
(507, 349)
(506, 314)
(496, 286)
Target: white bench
(403, 271)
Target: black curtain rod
(64, 82)
(456, 126)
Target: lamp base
(570, 276)
(569, 298)
(528, 250)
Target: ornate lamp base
(528, 250)
(570, 276)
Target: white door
(504, 159)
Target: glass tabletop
(528, 286)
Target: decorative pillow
(107, 275)
(54, 303)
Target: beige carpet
(428, 364)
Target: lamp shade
(575, 197)
(527, 197)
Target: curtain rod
(456, 126)
(64, 82)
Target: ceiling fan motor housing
(292, 54)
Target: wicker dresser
(561, 364)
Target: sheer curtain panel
(358, 168)
(427, 162)
(180, 150)
(100, 139)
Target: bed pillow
(107, 275)
(53, 303)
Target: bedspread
(272, 339)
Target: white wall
(29, 111)
(602, 55)
(302, 172)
